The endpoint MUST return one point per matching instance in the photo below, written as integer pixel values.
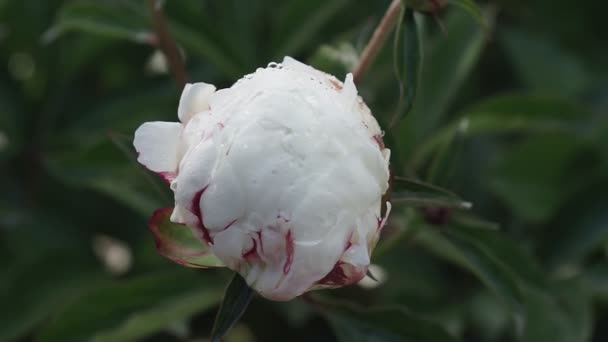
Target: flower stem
(377, 40)
(167, 44)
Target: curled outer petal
(156, 144)
(177, 242)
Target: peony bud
(280, 177)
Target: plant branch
(377, 41)
(167, 44)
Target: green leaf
(502, 114)
(516, 260)
(10, 135)
(419, 194)
(103, 167)
(355, 324)
(133, 309)
(595, 280)
(579, 233)
(447, 64)
(148, 322)
(472, 8)
(102, 18)
(489, 268)
(478, 259)
(236, 38)
(301, 21)
(96, 151)
(32, 290)
(561, 75)
(489, 318)
(202, 45)
(412, 63)
(471, 221)
(431, 6)
(178, 243)
(564, 314)
(535, 177)
(236, 299)
(131, 21)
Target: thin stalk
(375, 44)
(167, 44)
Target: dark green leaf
(134, 308)
(472, 8)
(102, 18)
(10, 135)
(447, 64)
(412, 63)
(301, 21)
(563, 315)
(489, 317)
(354, 324)
(504, 114)
(515, 259)
(488, 268)
(30, 291)
(562, 74)
(472, 221)
(132, 22)
(419, 194)
(236, 299)
(478, 259)
(203, 46)
(577, 235)
(595, 280)
(104, 168)
(430, 6)
(96, 151)
(536, 176)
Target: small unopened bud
(114, 254)
(437, 216)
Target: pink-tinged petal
(343, 274)
(353, 263)
(178, 242)
(195, 208)
(157, 145)
(386, 214)
(252, 253)
(194, 99)
(379, 141)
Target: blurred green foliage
(512, 116)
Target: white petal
(157, 146)
(349, 91)
(297, 65)
(194, 99)
(194, 176)
(223, 199)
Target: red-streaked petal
(178, 243)
(343, 274)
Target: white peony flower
(281, 176)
